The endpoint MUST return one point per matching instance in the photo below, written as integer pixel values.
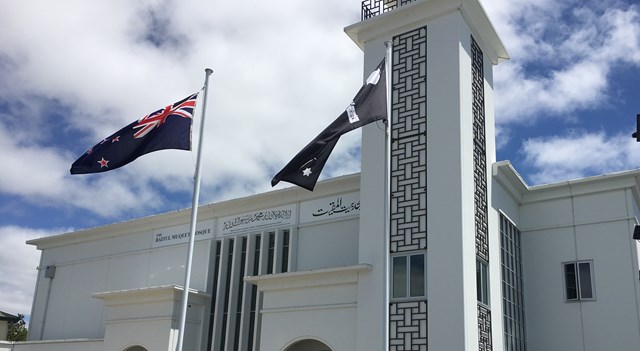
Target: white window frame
(482, 286)
(579, 288)
(408, 296)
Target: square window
(408, 276)
(578, 280)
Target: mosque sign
(258, 221)
(180, 234)
(330, 207)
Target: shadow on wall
(308, 345)
(135, 348)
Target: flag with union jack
(167, 128)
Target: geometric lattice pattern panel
(484, 328)
(479, 153)
(408, 326)
(372, 8)
(480, 183)
(408, 205)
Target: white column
(451, 256)
(452, 303)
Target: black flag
(369, 105)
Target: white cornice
(147, 294)
(510, 179)
(305, 279)
(292, 194)
(420, 12)
(512, 182)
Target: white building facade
(440, 248)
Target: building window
(285, 251)
(409, 276)
(578, 280)
(235, 304)
(512, 286)
(271, 252)
(482, 282)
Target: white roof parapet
(288, 195)
(506, 175)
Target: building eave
(413, 13)
(147, 294)
(506, 175)
(329, 187)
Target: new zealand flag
(369, 105)
(167, 128)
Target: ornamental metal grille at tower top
(372, 8)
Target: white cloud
(282, 66)
(41, 176)
(559, 67)
(578, 155)
(279, 66)
(18, 270)
(503, 136)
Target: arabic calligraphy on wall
(331, 207)
(258, 221)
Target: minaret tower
(439, 260)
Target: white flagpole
(387, 193)
(194, 217)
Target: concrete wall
(60, 345)
(64, 306)
(125, 257)
(318, 305)
(589, 226)
(148, 317)
(450, 224)
(450, 184)
(330, 244)
(587, 219)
